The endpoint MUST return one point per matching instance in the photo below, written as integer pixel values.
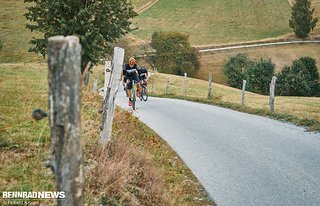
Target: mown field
(220, 21)
(14, 36)
(139, 3)
(299, 110)
(280, 56)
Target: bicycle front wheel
(144, 93)
(133, 98)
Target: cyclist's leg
(129, 86)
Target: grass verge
(136, 168)
(302, 111)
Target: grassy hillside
(280, 56)
(220, 21)
(14, 35)
(139, 3)
(300, 110)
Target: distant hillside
(219, 21)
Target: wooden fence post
(95, 84)
(109, 106)
(243, 92)
(64, 103)
(271, 98)
(185, 84)
(210, 85)
(167, 86)
(107, 72)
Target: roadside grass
(136, 168)
(213, 22)
(14, 35)
(280, 55)
(303, 111)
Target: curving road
(240, 159)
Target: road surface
(240, 159)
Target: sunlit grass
(221, 21)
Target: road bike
(144, 92)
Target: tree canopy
(302, 21)
(174, 54)
(96, 23)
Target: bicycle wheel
(144, 93)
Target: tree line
(299, 79)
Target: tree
(259, 75)
(235, 68)
(96, 23)
(301, 79)
(302, 21)
(174, 54)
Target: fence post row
(112, 89)
(210, 85)
(271, 98)
(244, 82)
(64, 103)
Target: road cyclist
(132, 81)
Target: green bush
(174, 55)
(301, 79)
(235, 68)
(259, 76)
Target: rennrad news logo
(33, 195)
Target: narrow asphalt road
(240, 159)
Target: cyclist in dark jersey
(130, 73)
(143, 75)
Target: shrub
(235, 68)
(301, 79)
(174, 55)
(259, 75)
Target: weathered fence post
(64, 103)
(243, 93)
(167, 86)
(107, 70)
(95, 84)
(210, 85)
(112, 89)
(185, 84)
(271, 98)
